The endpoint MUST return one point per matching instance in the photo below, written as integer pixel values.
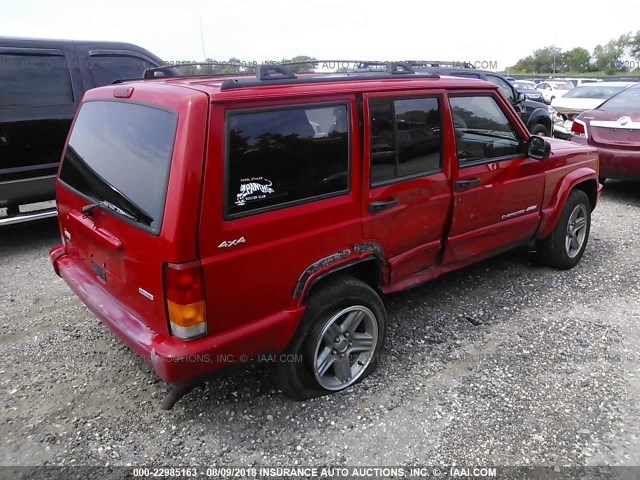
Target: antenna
(202, 40)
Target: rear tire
(565, 246)
(337, 343)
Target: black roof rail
(323, 78)
(439, 63)
(357, 66)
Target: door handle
(379, 205)
(466, 183)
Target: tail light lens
(185, 297)
(579, 128)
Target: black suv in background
(42, 83)
(534, 114)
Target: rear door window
(34, 80)
(405, 138)
(119, 153)
(282, 157)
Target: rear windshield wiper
(88, 209)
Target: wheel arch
(365, 263)
(539, 116)
(584, 179)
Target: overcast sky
(499, 31)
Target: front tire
(566, 244)
(539, 129)
(337, 343)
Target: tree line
(618, 55)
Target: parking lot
(503, 363)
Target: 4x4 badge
(232, 243)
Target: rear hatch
(616, 123)
(128, 190)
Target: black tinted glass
(405, 137)
(107, 68)
(283, 156)
(34, 80)
(121, 146)
(418, 121)
(383, 140)
(482, 129)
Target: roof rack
(438, 63)
(280, 73)
(362, 69)
(358, 66)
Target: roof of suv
(59, 42)
(222, 88)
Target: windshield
(563, 85)
(523, 86)
(626, 101)
(119, 155)
(593, 91)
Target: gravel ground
(503, 363)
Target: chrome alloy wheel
(345, 347)
(576, 231)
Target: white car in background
(581, 98)
(553, 89)
(580, 81)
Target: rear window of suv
(119, 154)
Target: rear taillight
(185, 297)
(579, 128)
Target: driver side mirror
(538, 147)
(520, 97)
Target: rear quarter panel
(257, 278)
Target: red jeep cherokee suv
(206, 221)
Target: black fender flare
(338, 261)
(539, 116)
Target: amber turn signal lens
(186, 315)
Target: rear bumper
(617, 163)
(562, 128)
(174, 360)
